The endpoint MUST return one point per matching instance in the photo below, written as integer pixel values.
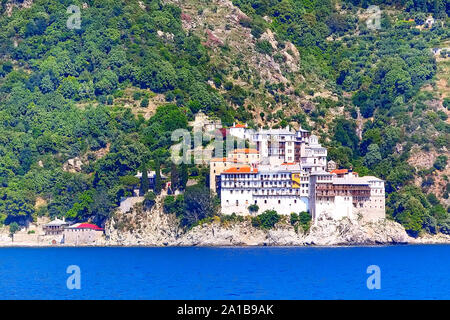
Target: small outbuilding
(55, 227)
(82, 233)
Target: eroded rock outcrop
(154, 228)
(142, 227)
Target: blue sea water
(407, 272)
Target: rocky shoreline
(153, 228)
(323, 233)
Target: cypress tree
(174, 177)
(158, 177)
(184, 176)
(144, 180)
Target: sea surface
(405, 272)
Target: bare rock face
(11, 4)
(431, 239)
(73, 165)
(142, 227)
(348, 232)
(215, 234)
(153, 227)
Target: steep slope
(111, 93)
(266, 78)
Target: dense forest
(383, 72)
(62, 92)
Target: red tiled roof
(240, 126)
(89, 226)
(288, 163)
(340, 171)
(343, 171)
(241, 170)
(246, 150)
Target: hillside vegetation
(111, 92)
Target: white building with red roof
(240, 131)
(287, 173)
(282, 188)
(342, 194)
(236, 157)
(82, 233)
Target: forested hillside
(111, 92)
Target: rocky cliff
(152, 227)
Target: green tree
(129, 181)
(253, 208)
(174, 205)
(144, 180)
(345, 133)
(305, 220)
(184, 176)
(441, 162)
(174, 177)
(199, 203)
(373, 155)
(16, 205)
(266, 220)
(410, 208)
(13, 228)
(158, 182)
(149, 199)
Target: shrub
(137, 95)
(149, 199)
(231, 218)
(13, 228)
(305, 220)
(264, 46)
(444, 227)
(199, 203)
(174, 205)
(447, 103)
(441, 162)
(228, 85)
(253, 208)
(266, 220)
(429, 224)
(294, 218)
(144, 103)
